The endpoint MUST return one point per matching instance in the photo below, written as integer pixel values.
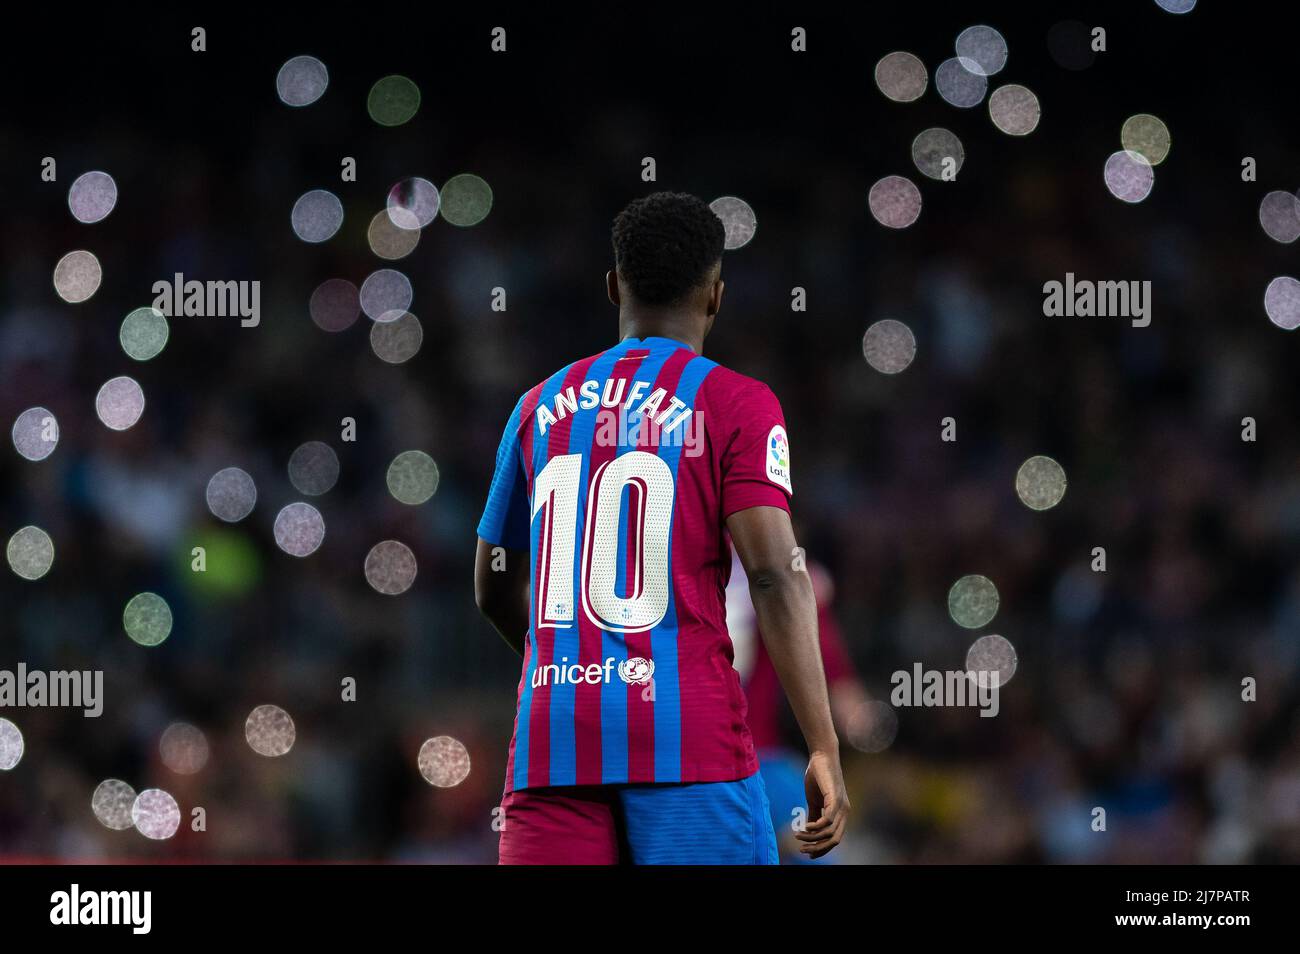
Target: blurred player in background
(616, 483)
(769, 716)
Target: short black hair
(665, 245)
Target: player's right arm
(786, 613)
(501, 591)
(501, 565)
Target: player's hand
(828, 805)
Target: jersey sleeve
(755, 459)
(505, 516)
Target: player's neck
(662, 324)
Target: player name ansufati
(616, 394)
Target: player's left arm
(786, 611)
(501, 591)
(754, 464)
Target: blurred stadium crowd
(1128, 689)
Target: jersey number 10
(649, 486)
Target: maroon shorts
(578, 824)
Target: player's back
(617, 473)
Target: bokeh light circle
(301, 81)
(316, 216)
(92, 196)
(982, 50)
(231, 494)
(111, 802)
(466, 200)
(397, 341)
(1040, 483)
(991, 661)
(901, 76)
(335, 304)
(1282, 302)
(119, 403)
(12, 745)
(35, 433)
(314, 468)
(895, 202)
(889, 346)
(1129, 176)
(144, 333)
(872, 727)
(932, 148)
(30, 553)
(412, 477)
(1014, 110)
(393, 100)
(147, 619)
(386, 295)
(413, 203)
(1279, 217)
(958, 85)
(299, 529)
(183, 748)
(973, 601)
(1146, 135)
(270, 731)
(738, 221)
(155, 814)
(443, 761)
(388, 241)
(390, 567)
(77, 276)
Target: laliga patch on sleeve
(778, 458)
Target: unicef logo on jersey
(636, 671)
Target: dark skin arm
(502, 594)
(786, 613)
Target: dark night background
(1128, 689)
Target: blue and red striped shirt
(617, 474)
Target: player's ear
(611, 287)
(715, 298)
